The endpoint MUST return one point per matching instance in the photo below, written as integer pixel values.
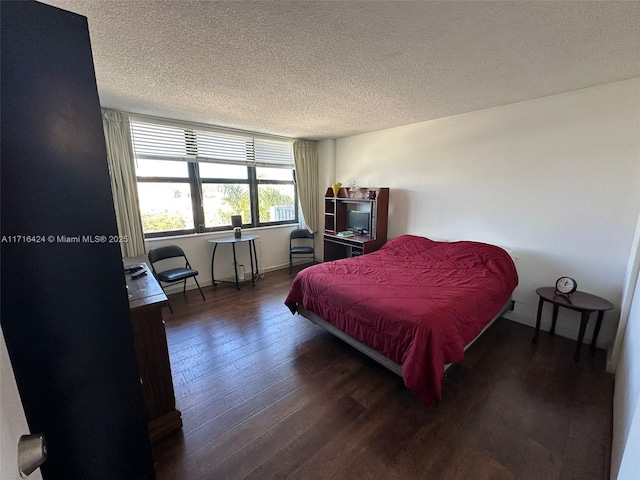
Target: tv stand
(336, 214)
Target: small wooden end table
(582, 302)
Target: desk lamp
(236, 223)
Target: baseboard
(545, 326)
(170, 290)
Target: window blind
(270, 153)
(153, 141)
(158, 142)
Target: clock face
(566, 285)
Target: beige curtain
(124, 188)
(305, 154)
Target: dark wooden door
(65, 313)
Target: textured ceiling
(329, 69)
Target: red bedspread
(416, 301)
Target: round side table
(582, 302)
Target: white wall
(554, 180)
(626, 400)
(625, 359)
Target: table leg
(596, 332)
(253, 277)
(535, 336)
(552, 332)
(255, 256)
(213, 256)
(583, 326)
(235, 266)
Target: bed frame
(374, 354)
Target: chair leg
(290, 263)
(165, 294)
(198, 285)
(184, 287)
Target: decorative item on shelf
(353, 191)
(336, 188)
(236, 223)
(371, 194)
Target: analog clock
(566, 285)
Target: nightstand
(582, 302)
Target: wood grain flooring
(268, 395)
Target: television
(358, 221)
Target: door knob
(32, 452)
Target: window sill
(220, 234)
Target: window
(193, 180)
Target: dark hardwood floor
(267, 395)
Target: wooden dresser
(146, 299)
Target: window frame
(259, 182)
(223, 181)
(196, 183)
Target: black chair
(299, 245)
(174, 275)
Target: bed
(413, 305)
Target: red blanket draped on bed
(416, 301)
